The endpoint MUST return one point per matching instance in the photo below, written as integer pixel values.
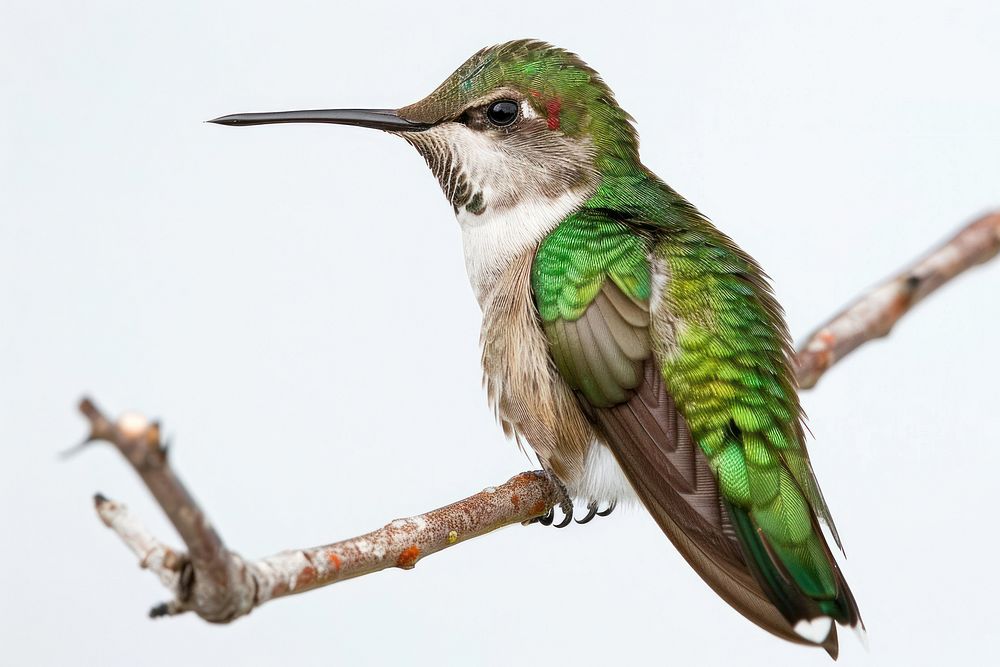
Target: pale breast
(532, 401)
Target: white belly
(602, 480)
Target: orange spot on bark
(408, 558)
(306, 576)
(538, 507)
(515, 500)
(334, 561)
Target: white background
(293, 302)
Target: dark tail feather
(781, 589)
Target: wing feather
(654, 447)
(603, 373)
(626, 371)
(634, 344)
(577, 350)
(607, 357)
(714, 504)
(633, 312)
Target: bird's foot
(564, 502)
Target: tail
(801, 579)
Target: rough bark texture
(220, 586)
(400, 543)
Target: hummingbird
(635, 348)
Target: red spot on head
(535, 93)
(408, 557)
(553, 108)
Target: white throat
(508, 190)
(494, 238)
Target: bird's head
(519, 120)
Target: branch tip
(88, 408)
(70, 452)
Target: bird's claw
(592, 512)
(567, 509)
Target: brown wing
(607, 357)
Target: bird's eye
(502, 112)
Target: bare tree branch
(220, 586)
(877, 311)
(400, 543)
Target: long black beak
(379, 119)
